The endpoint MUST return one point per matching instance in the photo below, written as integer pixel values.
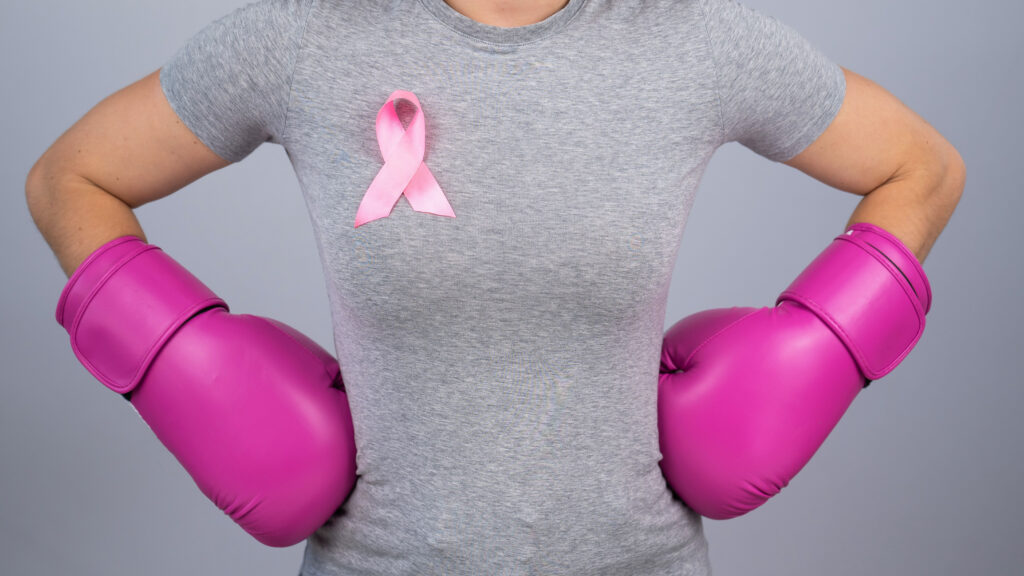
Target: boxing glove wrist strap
(870, 289)
(123, 303)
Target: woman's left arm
(910, 176)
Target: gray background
(916, 479)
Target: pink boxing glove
(254, 410)
(747, 395)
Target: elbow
(956, 171)
(946, 189)
(942, 173)
(35, 191)
(946, 167)
(950, 172)
(32, 181)
(36, 178)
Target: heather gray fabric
(502, 365)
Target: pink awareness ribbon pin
(404, 170)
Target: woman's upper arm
(221, 95)
(873, 138)
(131, 144)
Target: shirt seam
(714, 67)
(291, 72)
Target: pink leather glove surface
(747, 395)
(254, 410)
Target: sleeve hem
(188, 122)
(815, 129)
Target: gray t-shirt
(502, 365)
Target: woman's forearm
(76, 217)
(915, 206)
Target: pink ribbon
(403, 171)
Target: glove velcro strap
(123, 303)
(871, 291)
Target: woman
(500, 353)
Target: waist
(578, 519)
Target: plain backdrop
(918, 478)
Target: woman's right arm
(129, 149)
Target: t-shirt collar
(497, 34)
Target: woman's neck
(507, 13)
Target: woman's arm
(910, 176)
(128, 150)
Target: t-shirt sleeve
(777, 91)
(230, 82)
